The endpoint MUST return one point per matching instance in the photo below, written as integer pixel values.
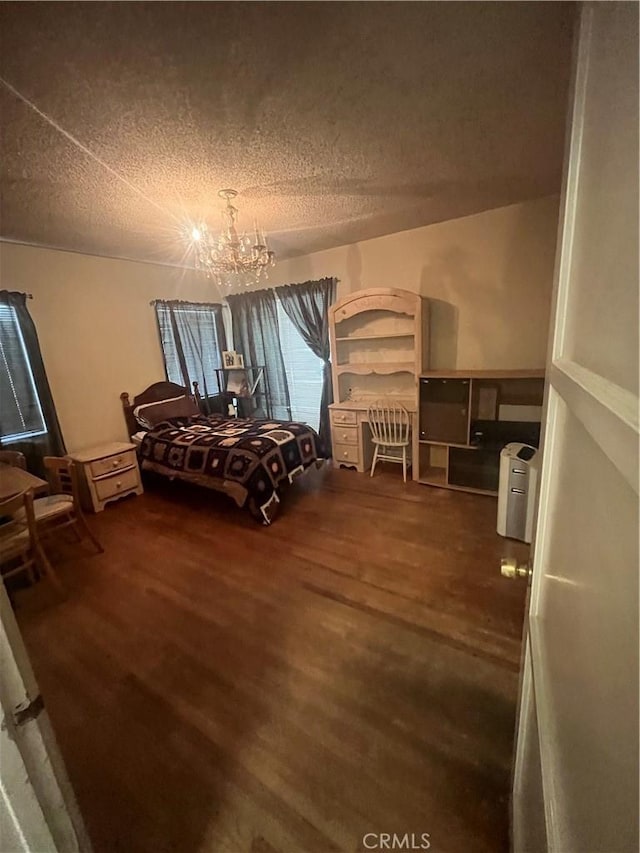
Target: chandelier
(231, 257)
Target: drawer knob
(345, 454)
(118, 484)
(115, 463)
(345, 435)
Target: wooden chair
(19, 539)
(13, 458)
(390, 426)
(61, 508)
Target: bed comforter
(249, 459)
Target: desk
(14, 480)
(351, 436)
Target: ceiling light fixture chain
(231, 257)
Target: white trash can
(519, 470)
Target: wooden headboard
(153, 394)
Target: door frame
(36, 798)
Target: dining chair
(19, 540)
(61, 508)
(390, 426)
(13, 458)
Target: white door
(576, 767)
(38, 812)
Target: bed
(250, 460)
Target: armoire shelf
(449, 444)
(376, 337)
(433, 477)
(383, 367)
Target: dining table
(15, 480)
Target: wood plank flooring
(218, 686)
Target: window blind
(304, 372)
(194, 330)
(20, 410)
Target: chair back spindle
(390, 424)
(61, 476)
(9, 507)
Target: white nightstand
(107, 473)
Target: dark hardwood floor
(218, 686)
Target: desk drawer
(343, 416)
(113, 463)
(119, 482)
(346, 453)
(344, 434)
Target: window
(191, 333)
(20, 411)
(304, 372)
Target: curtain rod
(189, 302)
(180, 302)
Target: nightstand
(107, 472)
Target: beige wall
(488, 277)
(97, 331)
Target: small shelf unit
(253, 396)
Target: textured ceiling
(336, 121)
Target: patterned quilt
(249, 458)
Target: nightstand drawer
(116, 484)
(346, 453)
(343, 416)
(345, 434)
(113, 463)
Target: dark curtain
(307, 306)
(51, 443)
(256, 334)
(192, 337)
